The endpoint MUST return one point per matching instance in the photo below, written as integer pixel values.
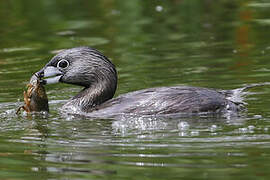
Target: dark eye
(63, 64)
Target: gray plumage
(95, 72)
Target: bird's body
(89, 68)
(162, 100)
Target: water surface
(215, 44)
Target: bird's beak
(51, 73)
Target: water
(215, 44)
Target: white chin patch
(51, 71)
(53, 80)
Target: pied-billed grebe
(90, 69)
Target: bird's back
(166, 100)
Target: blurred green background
(209, 43)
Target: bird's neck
(92, 96)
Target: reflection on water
(221, 45)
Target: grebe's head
(83, 66)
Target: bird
(96, 74)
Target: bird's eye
(63, 64)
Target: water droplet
(159, 8)
(213, 128)
(243, 130)
(183, 125)
(257, 116)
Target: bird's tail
(254, 85)
(237, 95)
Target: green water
(218, 44)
